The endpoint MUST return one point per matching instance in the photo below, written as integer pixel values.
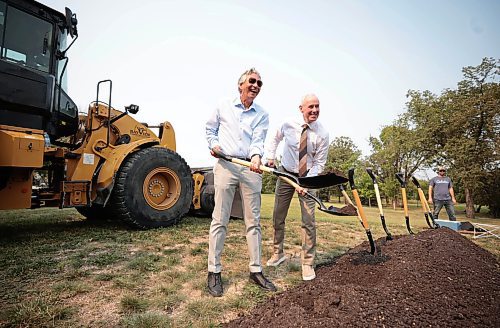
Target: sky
(176, 59)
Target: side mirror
(133, 109)
(71, 22)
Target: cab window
(24, 39)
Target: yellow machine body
(24, 151)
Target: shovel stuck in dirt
(425, 206)
(320, 181)
(401, 180)
(361, 212)
(379, 203)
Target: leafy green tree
(269, 181)
(364, 184)
(342, 155)
(462, 127)
(397, 149)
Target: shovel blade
(347, 210)
(326, 179)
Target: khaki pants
(228, 176)
(283, 196)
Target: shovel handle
(361, 212)
(405, 201)
(241, 162)
(379, 200)
(346, 196)
(290, 181)
(249, 164)
(422, 199)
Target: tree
(462, 127)
(269, 181)
(398, 149)
(342, 155)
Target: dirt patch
(436, 278)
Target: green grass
(60, 270)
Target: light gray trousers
(228, 176)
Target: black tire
(95, 213)
(153, 189)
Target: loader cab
(33, 79)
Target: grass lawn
(59, 269)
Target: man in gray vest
(441, 194)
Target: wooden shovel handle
(405, 201)
(360, 209)
(422, 199)
(379, 200)
(249, 164)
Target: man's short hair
(306, 96)
(245, 74)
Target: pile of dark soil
(436, 278)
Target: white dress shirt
(317, 145)
(238, 131)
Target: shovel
(361, 212)
(425, 206)
(320, 181)
(379, 203)
(293, 181)
(349, 201)
(401, 180)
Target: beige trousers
(228, 176)
(283, 196)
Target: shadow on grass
(19, 230)
(27, 225)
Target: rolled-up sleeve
(273, 143)
(212, 129)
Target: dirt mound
(435, 278)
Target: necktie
(303, 152)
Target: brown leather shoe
(261, 281)
(214, 284)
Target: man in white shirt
(237, 128)
(307, 136)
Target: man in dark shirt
(441, 194)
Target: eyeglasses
(442, 170)
(253, 80)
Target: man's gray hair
(245, 74)
(307, 96)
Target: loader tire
(95, 213)
(153, 189)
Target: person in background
(441, 194)
(305, 152)
(237, 128)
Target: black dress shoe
(259, 279)
(214, 284)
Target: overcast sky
(176, 59)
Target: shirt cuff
(255, 151)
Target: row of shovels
(333, 178)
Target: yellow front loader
(104, 163)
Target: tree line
(458, 128)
